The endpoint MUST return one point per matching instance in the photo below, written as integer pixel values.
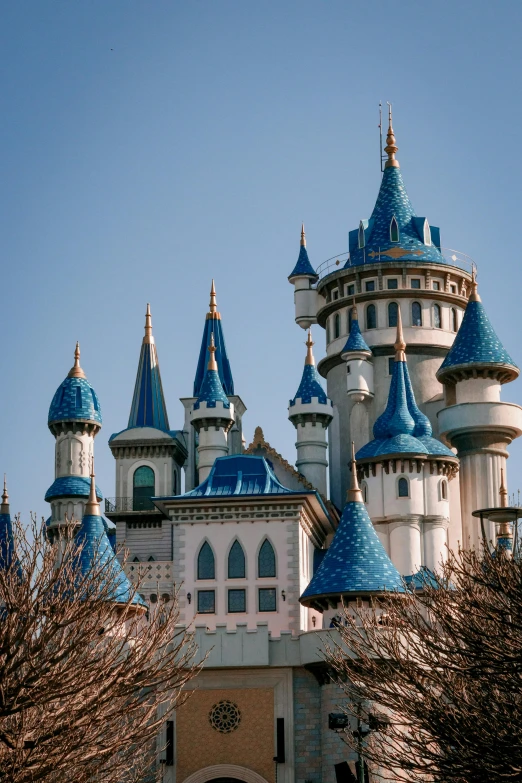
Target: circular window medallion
(224, 717)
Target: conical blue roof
(213, 326)
(75, 398)
(211, 391)
(476, 342)
(303, 266)
(310, 386)
(356, 562)
(355, 341)
(148, 407)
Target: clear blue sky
(150, 146)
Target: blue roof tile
(71, 486)
(211, 391)
(355, 341)
(310, 386)
(148, 407)
(213, 326)
(240, 474)
(303, 265)
(75, 400)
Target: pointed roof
(211, 390)
(214, 326)
(148, 407)
(75, 398)
(310, 385)
(356, 563)
(476, 346)
(355, 341)
(97, 551)
(402, 428)
(6, 531)
(303, 267)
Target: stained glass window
(267, 599)
(237, 600)
(206, 565)
(206, 601)
(236, 562)
(266, 558)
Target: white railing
(449, 256)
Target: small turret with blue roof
(214, 326)
(356, 564)
(303, 267)
(359, 362)
(311, 411)
(303, 277)
(75, 401)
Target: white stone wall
(73, 452)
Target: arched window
(393, 309)
(403, 488)
(371, 317)
(454, 324)
(444, 490)
(436, 316)
(206, 564)
(236, 561)
(266, 560)
(416, 314)
(394, 230)
(361, 235)
(142, 488)
(337, 325)
(427, 233)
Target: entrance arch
(230, 772)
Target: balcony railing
(450, 257)
(113, 505)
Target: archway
(225, 773)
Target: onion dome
(97, 553)
(75, 398)
(310, 388)
(356, 563)
(394, 230)
(211, 390)
(70, 487)
(148, 407)
(355, 342)
(303, 267)
(214, 326)
(6, 532)
(402, 428)
(476, 348)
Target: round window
(224, 717)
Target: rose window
(224, 717)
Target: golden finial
(212, 308)
(4, 507)
(503, 491)
(148, 338)
(303, 236)
(474, 294)
(309, 353)
(400, 345)
(212, 364)
(354, 494)
(93, 507)
(76, 371)
(391, 147)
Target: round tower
(212, 416)
(311, 412)
(475, 421)
(303, 277)
(74, 419)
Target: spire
(4, 507)
(148, 407)
(212, 364)
(503, 491)
(212, 308)
(76, 371)
(303, 267)
(303, 236)
(93, 507)
(474, 294)
(309, 353)
(6, 533)
(211, 389)
(354, 494)
(391, 147)
(213, 326)
(400, 345)
(355, 342)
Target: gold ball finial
(212, 308)
(212, 364)
(354, 494)
(400, 343)
(76, 371)
(474, 294)
(391, 146)
(303, 236)
(309, 353)
(4, 507)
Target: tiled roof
(310, 386)
(240, 475)
(148, 407)
(356, 562)
(71, 486)
(75, 400)
(6, 541)
(303, 265)
(476, 341)
(355, 341)
(211, 391)
(213, 326)
(423, 578)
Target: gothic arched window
(236, 561)
(142, 488)
(403, 489)
(436, 316)
(337, 325)
(394, 230)
(371, 317)
(393, 309)
(416, 314)
(454, 324)
(206, 564)
(266, 560)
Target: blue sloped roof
(310, 386)
(71, 486)
(356, 561)
(303, 265)
(69, 404)
(148, 407)
(211, 391)
(423, 578)
(98, 552)
(393, 201)
(240, 474)
(6, 541)
(355, 341)
(214, 326)
(402, 428)
(476, 341)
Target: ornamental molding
(225, 771)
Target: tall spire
(309, 353)
(76, 371)
(93, 507)
(303, 236)
(148, 407)
(213, 326)
(354, 494)
(400, 345)
(212, 364)
(4, 507)
(212, 308)
(391, 147)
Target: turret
(6, 532)
(303, 277)
(359, 364)
(74, 419)
(310, 411)
(212, 417)
(475, 422)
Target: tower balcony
(133, 508)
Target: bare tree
(436, 675)
(86, 681)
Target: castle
(262, 552)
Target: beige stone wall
(251, 745)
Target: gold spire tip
(354, 494)
(212, 364)
(400, 344)
(474, 295)
(148, 338)
(76, 371)
(391, 145)
(93, 507)
(4, 508)
(303, 236)
(212, 308)
(309, 353)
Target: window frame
(400, 479)
(237, 590)
(236, 542)
(337, 326)
(443, 489)
(391, 362)
(415, 280)
(267, 576)
(201, 592)
(266, 590)
(391, 304)
(205, 578)
(437, 313)
(361, 236)
(370, 308)
(412, 316)
(392, 280)
(370, 283)
(394, 224)
(426, 230)
(352, 291)
(454, 320)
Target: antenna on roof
(380, 133)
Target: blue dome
(75, 400)
(71, 486)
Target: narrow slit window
(394, 230)
(437, 316)
(393, 310)
(371, 317)
(403, 488)
(453, 320)
(416, 314)
(444, 490)
(362, 240)
(337, 326)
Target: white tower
(311, 412)
(303, 277)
